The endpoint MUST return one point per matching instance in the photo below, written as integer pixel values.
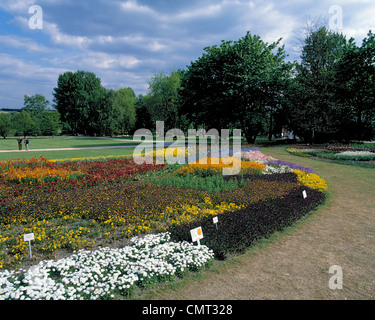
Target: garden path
(295, 264)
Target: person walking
(19, 140)
(26, 143)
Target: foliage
(79, 98)
(5, 124)
(355, 86)
(164, 104)
(314, 110)
(236, 81)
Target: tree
(5, 124)
(79, 98)
(23, 123)
(143, 117)
(36, 105)
(315, 111)
(356, 87)
(124, 102)
(236, 82)
(50, 122)
(164, 104)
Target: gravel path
(296, 264)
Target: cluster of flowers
(292, 166)
(356, 153)
(211, 166)
(107, 272)
(79, 216)
(311, 180)
(50, 176)
(256, 155)
(342, 147)
(259, 218)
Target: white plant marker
(29, 237)
(215, 220)
(196, 235)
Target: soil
(295, 265)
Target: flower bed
(346, 154)
(106, 273)
(103, 204)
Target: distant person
(26, 141)
(19, 140)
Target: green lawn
(10, 143)
(51, 155)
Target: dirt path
(296, 264)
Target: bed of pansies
(363, 155)
(87, 206)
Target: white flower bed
(356, 153)
(104, 272)
(270, 169)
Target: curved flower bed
(115, 199)
(345, 154)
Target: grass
(62, 142)
(66, 154)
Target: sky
(125, 42)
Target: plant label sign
(304, 193)
(215, 220)
(29, 237)
(196, 234)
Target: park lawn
(10, 143)
(66, 154)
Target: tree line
(35, 118)
(246, 84)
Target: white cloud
(133, 6)
(22, 43)
(60, 38)
(16, 6)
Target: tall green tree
(79, 98)
(164, 94)
(236, 82)
(36, 105)
(124, 103)
(356, 87)
(316, 113)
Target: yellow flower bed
(311, 180)
(188, 213)
(216, 165)
(168, 152)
